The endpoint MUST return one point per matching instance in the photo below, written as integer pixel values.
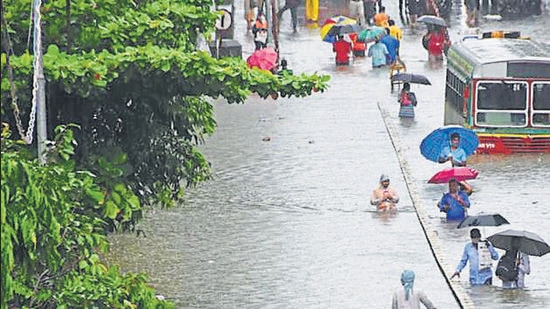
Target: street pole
(40, 87)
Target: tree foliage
(127, 72)
(51, 236)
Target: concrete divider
(462, 297)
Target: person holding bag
(479, 254)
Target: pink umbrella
(265, 59)
(458, 173)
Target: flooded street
(286, 221)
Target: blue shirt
(392, 44)
(459, 155)
(378, 53)
(457, 210)
(470, 254)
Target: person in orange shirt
(259, 29)
(249, 7)
(381, 19)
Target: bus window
(529, 70)
(541, 96)
(501, 119)
(541, 104)
(502, 95)
(501, 103)
(540, 119)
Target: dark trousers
(369, 8)
(293, 14)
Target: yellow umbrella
(336, 21)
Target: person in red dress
(438, 42)
(342, 48)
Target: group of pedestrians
(383, 51)
(478, 253)
(364, 11)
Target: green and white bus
(500, 88)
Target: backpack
(405, 99)
(412, 98)
(506, 268)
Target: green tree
(127, 72)
(51, 236)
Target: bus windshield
(501, 103)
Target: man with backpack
(512, 268)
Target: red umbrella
(458, 173)
(265, 59)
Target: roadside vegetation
(128, 101)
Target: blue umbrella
(434, 142)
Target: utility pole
(39, 87)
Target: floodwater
(286, 222)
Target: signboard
(225, 21)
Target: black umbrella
(432, 20)
(410, 78)
(523, 241)
(338, 29)
(483, 220)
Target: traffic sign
(225, 20)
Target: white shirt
(415, 298)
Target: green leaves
(50, 236)
(124, 80)
(128, 74)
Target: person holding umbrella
(407, 101)
(342, 48)
(455, 202)
(512, 268)
(523, 242)
(516, 241)
(453, 152)
(479, 254)
(436, 41)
